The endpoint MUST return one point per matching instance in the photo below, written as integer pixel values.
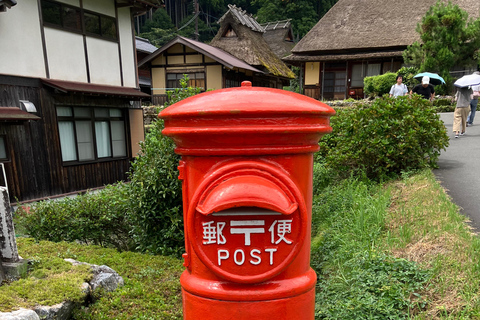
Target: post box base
(301, 307)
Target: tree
(448, 39)
(302, 13)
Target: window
(61, 15)
(373, 69)
(195, 80)
(3, 148)
(89, 134)
(103, 26)
(67, 17)
(358, 74)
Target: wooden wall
(35, 168)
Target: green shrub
(156, 192)
(379, 85)
(444, 105)
(93, 218)
(145, 214)
(156, 195)
(385, 138)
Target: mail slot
(246, 171)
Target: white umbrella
(468, 80)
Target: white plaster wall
(127, 48)
(21, 51)
(104, 63)
(106, 7)
(66, 55)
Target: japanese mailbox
(247, 162)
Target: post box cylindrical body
(247, 165)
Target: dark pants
(473, 109)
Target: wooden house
(279, 37)
(242, 36)
(144, 48)
(359, 38)
(207, 67)
(70, 114)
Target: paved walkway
(459, 168)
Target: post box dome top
(248, 101)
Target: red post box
(247, 163)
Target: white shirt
(398, 90)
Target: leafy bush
(379, 85)
(156, 192)
(444, 105)
(145, 214)
(94, 218)
(156, 195)
(385, 138)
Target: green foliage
(379, 85)
(93, 218)
(160, 19)
(151, 291)
(385, 138)
(444, 105)
(374, 286)
(448, 39)
(156, 191)
(354, 280)
(145, 214)
(181, 93)
(156, 195)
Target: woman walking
(461, 110)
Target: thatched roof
(279, 37)
(371, 24)
(245, 41)
(242, 17)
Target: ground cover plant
(396, 250)
(383, 247)
(151, 290)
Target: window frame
(179, 75)
(93, 119)
(83, 28)
(5, 145)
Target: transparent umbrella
(468, 80)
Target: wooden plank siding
(35, 169)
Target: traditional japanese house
(207, 67)
(279, 37)
(243, 37)
(359, 38)
(70, 114)
(144, 48)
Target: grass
(398, 250)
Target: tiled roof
(144, 45)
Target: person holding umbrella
(473, 103)
(424, 89)
(462, 97)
